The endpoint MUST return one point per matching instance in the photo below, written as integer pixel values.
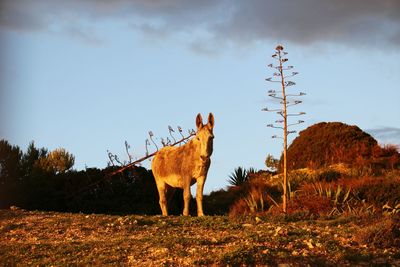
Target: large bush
(327, 143)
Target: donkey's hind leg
(161, 186)
(170, 191)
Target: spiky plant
(238, 177)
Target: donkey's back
(175, 165)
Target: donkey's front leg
(199, 195)
(187, 195)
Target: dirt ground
(60, 239)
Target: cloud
(151, 32)
(387, 135)
(310, 21)
(306, 22)
(204, 47)
(84, 35)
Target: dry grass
(383, 233)
(48, 238)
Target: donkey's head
(204, 137)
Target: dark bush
(329, 176)
(379, 191)
(219, 202)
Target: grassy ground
(49, 238)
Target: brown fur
(181, 167)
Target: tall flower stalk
(280, 76)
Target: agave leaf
(262, 202)
(346, 196)
(276, 204)
(386, 206)
(337, 195)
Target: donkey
(181, 167)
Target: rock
(309, 243)
(280, 231)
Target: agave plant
(388, 210)
(238, 177)
(251, 170)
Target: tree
(10, 163)
(271, 163)
(281, 77)
(10, 173)
(30, 157)
(57, 161)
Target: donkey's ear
(199, 121)
(211, 120)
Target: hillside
(49, 238)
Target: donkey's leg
(163, 201)
(199, 195)
(169, 193)
(187, 195)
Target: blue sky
(88, 75)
